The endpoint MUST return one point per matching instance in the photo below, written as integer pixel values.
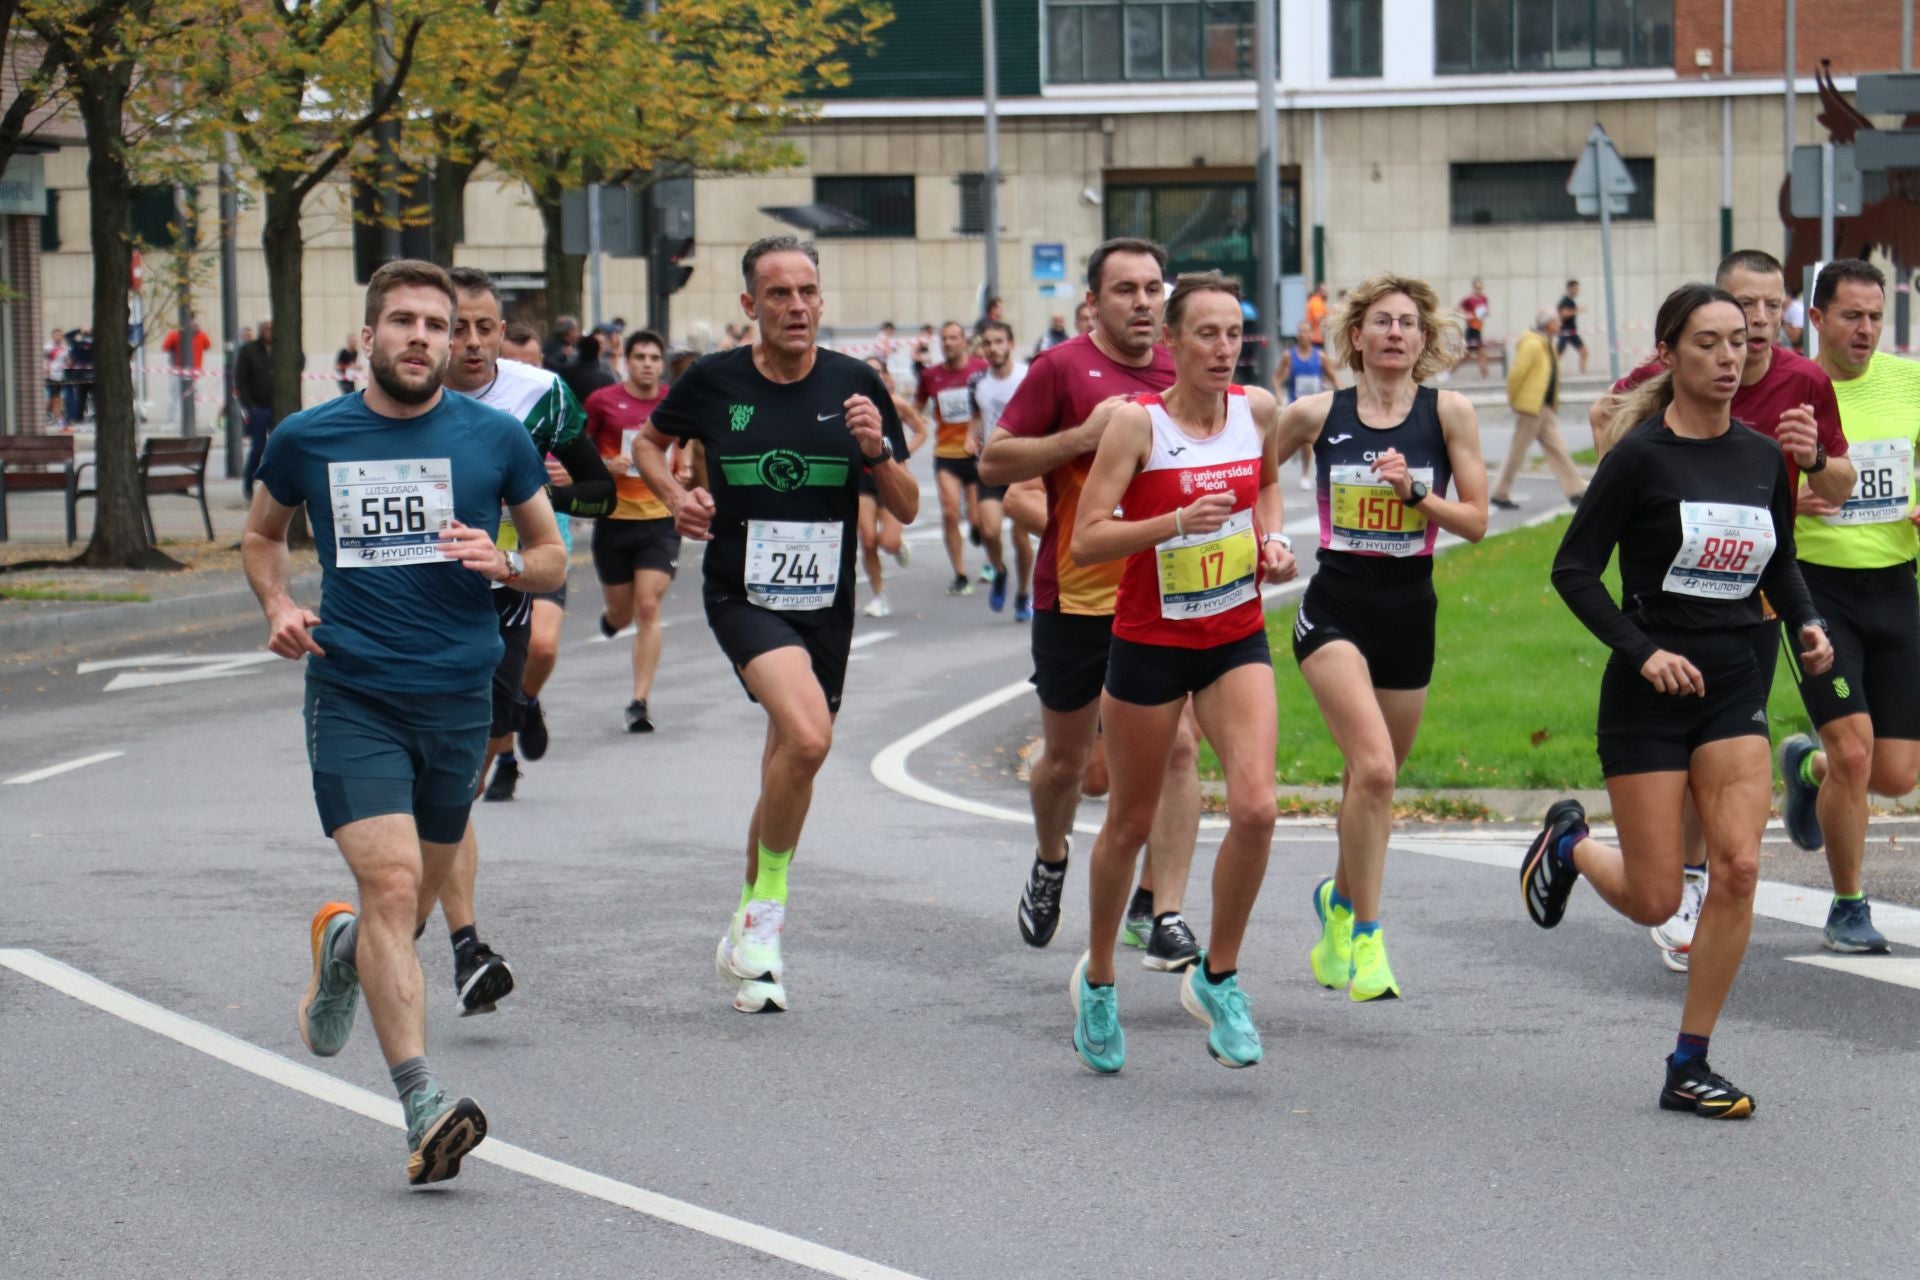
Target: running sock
(1215, 979)
(343, 943)
(1688, 1049)
(465, 942)
(1335, 900)
(1164, 917)
(409, 1078)
(1361, 928)
(1698, 868)
(506, 757)
(533, 700)
(1850, 897)
(1564, 849)
(1806, 769)
(771, 884)
(1142, 904)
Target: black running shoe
(1172, 948)
(506, 776)
(1695, 1087)
(607, 630)
(1040, 901)
(1802, 807)
(1544, 882)
(638, 721)
(1505, 504)
(533, 731)
(481, 981)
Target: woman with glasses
(1385, 451)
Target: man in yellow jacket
(1533, 392)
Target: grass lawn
(1516, 685)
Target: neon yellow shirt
(1880, 413)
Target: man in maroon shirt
(1051, 428)
(1789, 398)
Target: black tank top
(1367, 536)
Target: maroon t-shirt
(1791, 380)
(1064, 385)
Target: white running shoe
(1675, 937)
(748, 958)
(878, 608)
(1306, 484)
(903, 556)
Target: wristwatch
(1280, 538)
(886, 454)
(516, 565)
(1417, 493)
(1819, 460)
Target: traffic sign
(1803, 189)
(1877, 149)
(1600, 170)
(1887, 94)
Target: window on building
(1204, 225)
(1532, 191)
(50, 224)
(1356, 37)
(884, 203)
(155, 218)
(1107, 41)
(1491, 36)
(973, 204)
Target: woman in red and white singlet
(1194, 470)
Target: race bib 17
(390, 512)
(793, 565)
(1207, 573)
(1723, 551)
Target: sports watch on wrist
(885, 455)
(1417, 493)
(1280, 538)
(516, 564)
(1819, 459)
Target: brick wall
(1857, 35)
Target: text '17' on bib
(1204, 574)
(390, 512)
(1366, 515)
(793, 565)
(1723, 551)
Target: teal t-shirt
(394, 613)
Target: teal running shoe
(1223, 1007)
(440, 1134)
(1097, 1037)
(333, 995)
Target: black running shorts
(621, 548)
(1873, 621)
(966, 468)
(509, 697)
(745, 631)
(1392, 628)
(1152, 675)
(1642, 730)
(1070, 657)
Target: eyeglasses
(1387, 324)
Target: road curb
(67, 627)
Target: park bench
(168, 464)
(36, 464)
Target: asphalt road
(921, 1108)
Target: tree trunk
(565, 271)
(119, 529)
(449, 225)
(280, 240)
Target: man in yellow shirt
(1533, 393)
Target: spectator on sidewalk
(253, 388)
(1533, 393)
(1570, 310)
(346, 363)
(176, 359)
(54, 358)
(1793, 321)
(79, 375)
(561, 349)
(1474, 309)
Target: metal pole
(1826, 201)
(990, 181)
(1906, 35)
(183, 345)
(1606, 266)
(1902, 285)
(230, 313)
(1319, 201)
(1726, 131)
(1266, 190)
(593, 255)
(1791, 133)
(387, 132)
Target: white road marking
(186, 669)
(55, 770)
(1901, 971)
(317, 1084)
(872, 637)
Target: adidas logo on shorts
(1301, 625)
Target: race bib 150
(388, 513)
(1365, 514)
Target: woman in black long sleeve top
(1701, 513)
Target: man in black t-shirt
(786, 429)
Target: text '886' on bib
(1203, 574)
(1882, 491)
(792, 564)
(389, 512)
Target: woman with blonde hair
(1385, 450)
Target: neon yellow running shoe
(1332, 956)
(1372, 979)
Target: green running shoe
(1332, 956)
(1097, 1036)
(1231, 1038)
(440, 1134)
(1372, 978)
(333, 995)
(1136, 930)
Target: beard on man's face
(387, 374)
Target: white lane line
(251, 1058)
(55, 770)
(872, 637)
(1901, 971)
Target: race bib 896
(1723, 551)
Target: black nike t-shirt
(778, 452)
